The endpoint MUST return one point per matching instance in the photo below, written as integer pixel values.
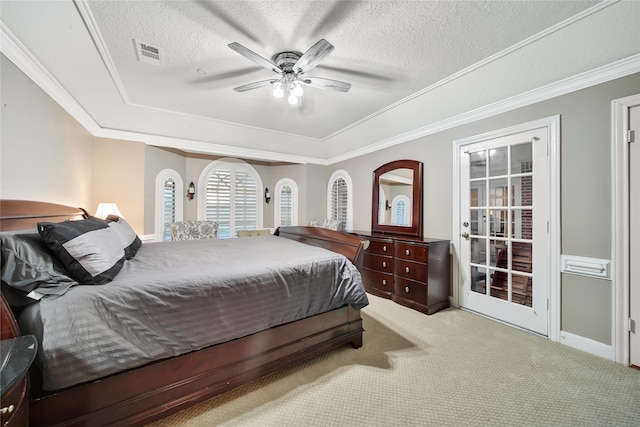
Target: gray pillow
(130, 240)
(89, 249)
(28, 265)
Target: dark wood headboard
(351, 246)
(25, 214)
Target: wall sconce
(191, 191)
(267, 196)
(106, 209)
(387, 206)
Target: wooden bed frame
(153, 391)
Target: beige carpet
(453, 368)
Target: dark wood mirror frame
(415, 229)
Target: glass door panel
(499, 186)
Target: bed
(159, 369)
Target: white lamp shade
(106, 209)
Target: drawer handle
(384, 264)
(406, 269)
(407, 252)
(406, 289)
(384, 282)
(7, 409)
(384, 248)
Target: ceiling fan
(292, 68)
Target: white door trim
(553, 128)
(620, 225)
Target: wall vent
(148, 53)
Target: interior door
(634, 234)
(504, 212)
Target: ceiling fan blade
(327, 84)
(254, 85)
(363, 74)
(249, 54)
(313, 56)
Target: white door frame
(553, 128)
(620, 227)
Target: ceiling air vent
(148, 53)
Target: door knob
(465, 235)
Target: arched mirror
(397, 198)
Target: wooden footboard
(154, 391)
(144, 394)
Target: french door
(504, 199)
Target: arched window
(286, 203)
(401, 210)
(232, 196)
(382, 205)
(340, 199)
(169, 203)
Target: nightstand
(16, 356)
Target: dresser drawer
(375, 279)
(410, 270)
(411, 252)
(410, 289)
(14, 405)
(383, 264)
(380, 247)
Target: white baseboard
(147, 237)
(590, 346)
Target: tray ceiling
(390, 51)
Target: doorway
(504, 214)
(634, 227)
(626, 229)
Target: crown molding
(503, 53)
(202, 147)
(17, 53)
(612, 71)
(94, 31)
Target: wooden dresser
(411, 271)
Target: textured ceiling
(388, 50)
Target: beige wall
(118, 177)
(46, 155)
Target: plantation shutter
(218, 201)
(168, 207)
(400, 213)
(286, 206)
(231, 201)
(339, 199)
(246, 205)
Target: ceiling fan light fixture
(292, 99)
(297, 89)
(278, 90)
(291, 67)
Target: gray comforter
(177, 297)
